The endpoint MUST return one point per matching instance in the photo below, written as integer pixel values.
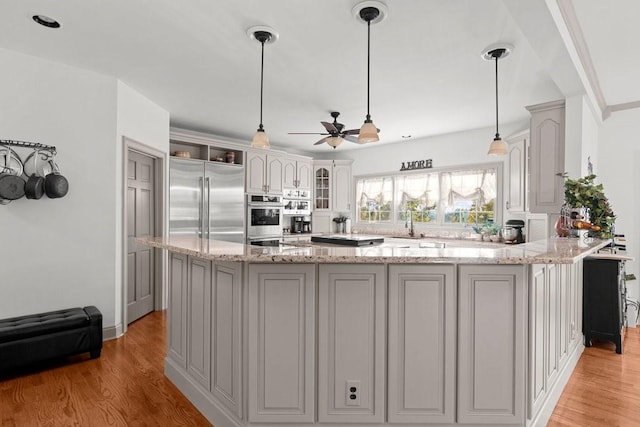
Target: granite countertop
(551, 251)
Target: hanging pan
(55, 185)
(11, 184)
(34, 188)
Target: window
(453, 196)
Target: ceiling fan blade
(351, 138)
(307, 133)
(351, 132)
(329, 127)
(321, 141)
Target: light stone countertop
(551, 251)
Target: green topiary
(582, 192)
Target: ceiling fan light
(368, 133)
(334, 141)
(260, 139)
(498, 147)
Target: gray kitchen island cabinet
(314, 335)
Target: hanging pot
(34, 188)
(11, 185)
(56, 185)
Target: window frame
(439, 223)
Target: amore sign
(416, 164)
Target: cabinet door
(274, 174)
(422, 334)
(351, 343)
(256, 172)
(546, 188)
(199, 327)
(341, 188)
(178, 272)
(289, 170)
(226, 384)
(304, 175)
(537, 338)
(281, 343)
(491, 344)
(322, 188)
(516, 194)
(553, 324)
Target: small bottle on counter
(347, 226)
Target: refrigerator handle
(208, 207)
(200, 206)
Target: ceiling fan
(335, 133)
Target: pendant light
(498, 147)
(262, 35)
(369, 12)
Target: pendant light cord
(261, 83)
(497, 133)
(368, 65)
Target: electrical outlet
(352, 393)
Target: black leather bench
(38, 337)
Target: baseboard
(216, 413)
(111, 332)
(542, 417)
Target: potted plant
(583, 193)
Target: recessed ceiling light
(46, 21)
(406, 136)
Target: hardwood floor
(604, 389)
(126, 386)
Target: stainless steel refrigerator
(206, 200)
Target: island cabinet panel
(281, 343)
(226, 378)
(538, 308)
(351, 343)
(178, 272)
(552, 351)
(422, 347)
(199, 324)
(491, 344)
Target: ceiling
(194, 59)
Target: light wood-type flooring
(126, 387)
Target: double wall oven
(264, 220)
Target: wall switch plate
(352, 393)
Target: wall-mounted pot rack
(15, 182)
(26, 144)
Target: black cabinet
(604, 301)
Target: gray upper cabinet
(281, 343)
(517, 169)
(351, 343)
(422, 344)
(332, 185)
(296, 173)
(264, 173)
(546, 187)
(491, 344)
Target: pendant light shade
(369, 11)
(262, 35)
(498, 147)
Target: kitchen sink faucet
(409, 223)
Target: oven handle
(265, 205)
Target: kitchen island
(467, 334)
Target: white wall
(581, 136)
(59, 253)
(140, 120)
(618, 160)
(453, 149)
